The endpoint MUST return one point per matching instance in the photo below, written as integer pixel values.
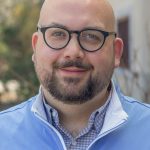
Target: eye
(58, 34)
(91, 36)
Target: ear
(118, 50)
(34, 44)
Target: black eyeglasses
(89, 39)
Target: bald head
(78, 10)
(75, 27)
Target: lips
(72, 71)
(73, 65)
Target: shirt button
(74, 143)
(54, 113)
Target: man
(75, 51)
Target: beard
(71, 90)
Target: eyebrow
(54, 24)
(65, 27)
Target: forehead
(77, 14)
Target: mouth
(72, 71)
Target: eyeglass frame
(78, 32)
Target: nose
(73, 49)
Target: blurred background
(18, 20)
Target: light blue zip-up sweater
(126, 127)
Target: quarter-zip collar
(114, 117)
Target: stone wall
(135, 80)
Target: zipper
(105, 133)
(58, 134)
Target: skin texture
(72, 81)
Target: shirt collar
(114, 114)
(38, 107)
(100, 115)
(96, 116)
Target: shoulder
(15, 114)
(130, 102)
(134, 103)
(136, 110)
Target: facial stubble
(69, 90)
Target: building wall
(135, 80)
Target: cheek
(44, 60)
(45, 56)
(102, 62)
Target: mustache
(71, 63)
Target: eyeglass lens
(58, 38)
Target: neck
(75, 117)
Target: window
(123, 30)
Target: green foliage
(15, 47)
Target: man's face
(73, 75)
